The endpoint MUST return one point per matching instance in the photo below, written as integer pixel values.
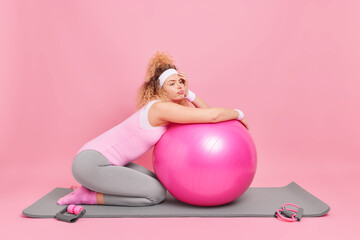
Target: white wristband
(241, 114)
(191, 96)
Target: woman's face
(175, 87)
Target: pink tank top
(129, 140)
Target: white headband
(165, 75)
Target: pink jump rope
(291, 215)
(285, 214)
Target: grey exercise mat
(255, 202)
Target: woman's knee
(158, 195)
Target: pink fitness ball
(205, 164)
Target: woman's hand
(244, 123)
(183, 76)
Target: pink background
(70, 70)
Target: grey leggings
(129, 185)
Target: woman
(104, 166)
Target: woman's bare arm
(199, 103)
(172, 112)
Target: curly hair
(151, 89)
